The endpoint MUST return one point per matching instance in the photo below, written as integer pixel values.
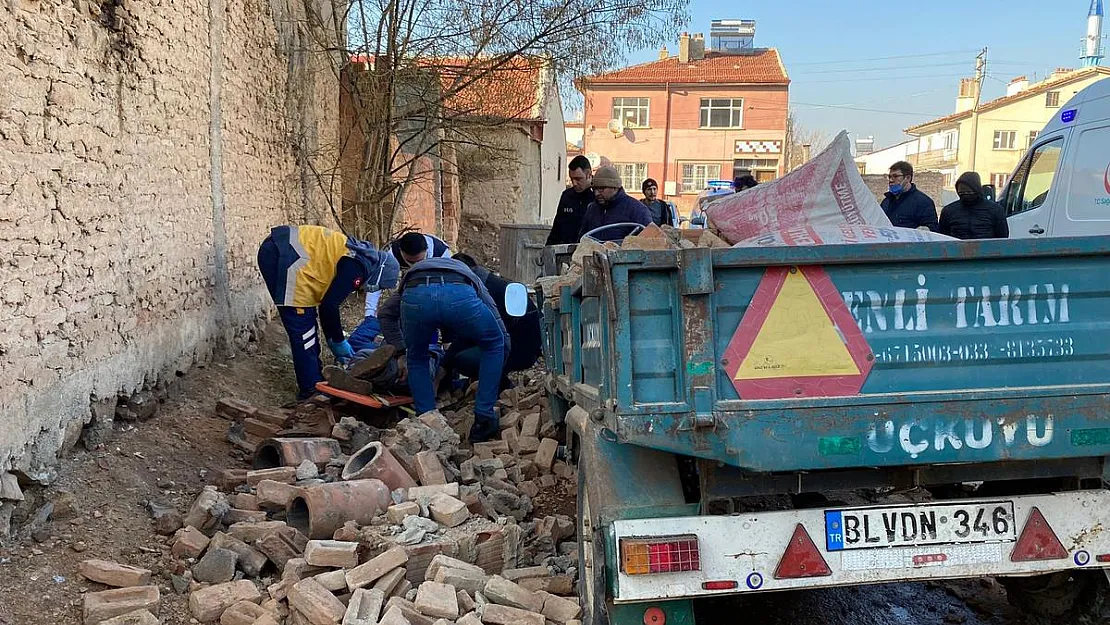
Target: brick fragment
(334, 581)
(408, 609)
(242, 613)
(234, 409)
(390, 580)
(429, 469)
(250, 532)
(364, 607)
(250, 560)
(279, 548)
(545, 454)
(234, 515)
(207, 604)
(394, 616)
(554, 584)
(422, 492)
(138, 617)
(437, 600)
(314, 601)
(101, 606)
(515, 575)
(527, 445)
(448, 511)
(189, 543)
(466, 602)
(114, 574)
(243, 501)
(495, 614)
(530, 425)
(470, 581)
(501, 591)
(287, 475)
(274, 495)
(333, 553)
(396, 514)
(366, 574)
(561, 610)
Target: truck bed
(834, 357)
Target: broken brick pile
(458, 544)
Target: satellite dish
(594, 158)
(616, 127)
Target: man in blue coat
(612, 206)
(904, 205)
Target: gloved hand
(342, 350)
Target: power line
(890, 78)
(885, 69)
(849, 107)
(884, 58)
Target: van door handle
(1036, 230)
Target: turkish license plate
(926, 524)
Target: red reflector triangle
(801, 558)
(1037, 541)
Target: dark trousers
(300, 324)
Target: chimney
(697, 47)
(966, 100)
(1017, 85)
(664, 54)
(684, 48)
(1060, 71)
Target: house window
(999, 181)
(1032, 139)
(632, 111)
(1052, 99)
(632, 174)
(755, 163)
(696, 176)
(950, 141)
(722, 113)
(1005, 139)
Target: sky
(837, 53)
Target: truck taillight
(661, 554)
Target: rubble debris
(331, 553)
(189, 543)
(217, 566)
(292, 452)
(243, 613)
(250, 561)
(114, 574)
(167, 519)
(208, 509)
(138, 617)
(207, 604)
(318, 511)
(315, 602)
(375, 460)
(101, 606)
(365, 574)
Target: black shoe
(484, 429)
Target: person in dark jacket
(743, 183)
(973, 216)
(904, 205)
(573, 203)
(525, 338)
(662, 213)
(612, 206)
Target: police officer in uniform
(309, 271)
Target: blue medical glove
(342, 350)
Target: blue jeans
(457, 309)
(364, 335)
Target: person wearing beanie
(612, 206)
(662, 212)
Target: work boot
(342, 379)
(484, 429)
(372, 364)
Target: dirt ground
(100, 511)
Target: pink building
(690, 118)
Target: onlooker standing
(904, 205)
(743, 183)
(973, 216)
(662, 212)
(573, 203)
(612, 206)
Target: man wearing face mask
(904, 205)
(973, 216)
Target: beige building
(993, 142)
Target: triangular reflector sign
(1037, 541)
(801, 558)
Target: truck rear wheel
(591, 559)
(1060, 597)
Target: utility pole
(980, 73)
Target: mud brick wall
(931, 183)
(146, 148)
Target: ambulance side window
(1032, 181)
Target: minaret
(1092, 45)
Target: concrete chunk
(364, 608)
(101, 606)
(495, 614)
(366, 574)
(207, 604)
(314, 601)
(334, 553)
(114, 574)
(501, 591)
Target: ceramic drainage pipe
(291, 452)
(317, 511)
(376, 461)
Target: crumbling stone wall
(138, 173)
(931, 183)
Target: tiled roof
(761, 67)
(513, 90)
(1033, 90)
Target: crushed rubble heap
(342, 522)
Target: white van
(1061, 188)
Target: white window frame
(735, 108)
(951, 140)
(632, 174)
(1000, 142)
(640, 109)
(704, 176)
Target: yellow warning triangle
(798, 338)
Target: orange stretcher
(370, 401)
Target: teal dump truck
(748, 420)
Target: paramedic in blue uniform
(410, 248)
(309, 271)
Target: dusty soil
(100, 497)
